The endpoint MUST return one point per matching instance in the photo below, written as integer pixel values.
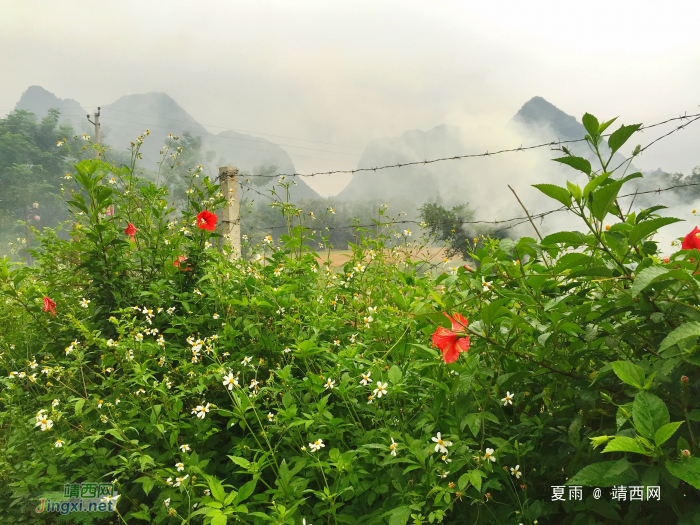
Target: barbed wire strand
(541, 215)
(476, 155)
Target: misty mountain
(542, 122)
(125, 119)
(38, 100)
(417, 183)
(452, 182)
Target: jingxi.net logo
(80, 497)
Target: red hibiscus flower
(452, 342)
(130, 231)
(49, 306)
(206, 220)
(180, 259)
(691, 240)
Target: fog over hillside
(482, 183)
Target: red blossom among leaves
(452, 342)
(49, 306)
(180, 259)
(131, 230)
(691, 240)
(206, 220)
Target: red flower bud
(130, 230)
(686, 453)
(49, 306)
(684, 380)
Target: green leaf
(221, 519)
(476, 476)
(645, 278)
(555, 192)
(575, 190)
(665, 432)
(217, 490)
(629, 373)
(574, 238)
(625, 444)
(604, 198)
(241, 462)
(649, 414)
(591, 124)
(147, 485)
(604, 474)
(490, 312)
(578, 163)
(79, 406)
(473, 421)
(246, 491)
(688, 470)
(619, 137)
(593, 184)
(400, 516)
(394, 374)
(683, 332)
(643, 229)
(605, 125)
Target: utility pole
(231, 220)
(97, 130)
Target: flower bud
(685, 453)
(684, 380)
(599, 440)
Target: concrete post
(231, 220)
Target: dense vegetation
(277, 389)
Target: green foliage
(274, 387)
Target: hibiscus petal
(450, 353)
(443, 337)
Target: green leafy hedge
(278, 389)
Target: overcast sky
(346, 72)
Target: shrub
(280, 389)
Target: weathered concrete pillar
(231, 220)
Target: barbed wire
(541, 215)
(694, 117)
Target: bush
(279, 389)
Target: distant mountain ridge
(129, 116)
(538, 113)
(38, 100)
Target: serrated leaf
(574, 238)
(575, 190)
(394, 374)
(241, 462)
(604, 198)
(688, 470)
(555, 192)
(625, 444)
(649, 414)
(591, 124)
(246, 491)
(645, 278)
(665, 432)
(578, 163)
(683, 332)
(619, 137)
(604, 474)
(643, 229)
(594, 183)
(629, 373)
